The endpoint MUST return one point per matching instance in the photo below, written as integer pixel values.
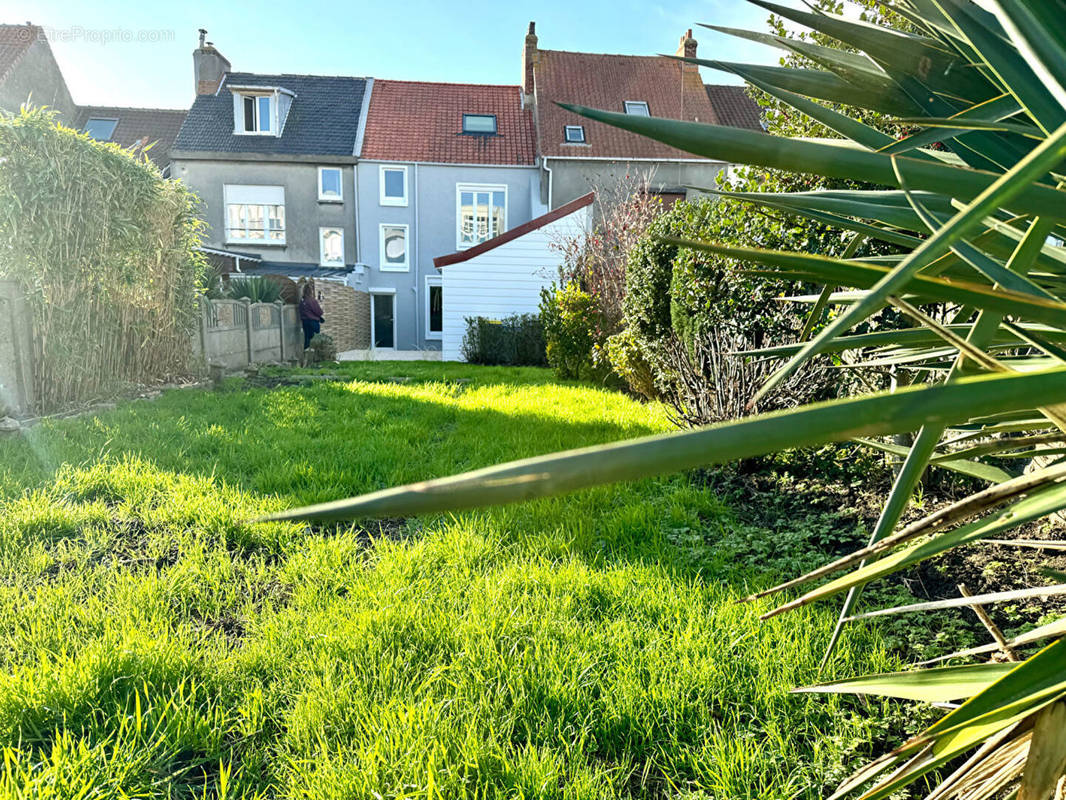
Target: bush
(322, 348)
(256, 288)
(576, 342)
(105, 251)
(517, 341)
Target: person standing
(310, 314)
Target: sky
(137, 53)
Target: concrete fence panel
(16, 352)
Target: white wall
(505, 280)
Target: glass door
(384, 320)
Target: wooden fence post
(281, 327)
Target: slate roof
(139, 126)
(14, 41)
(295, 269)
(734, 107)
(323, 119)
(420, 121)
(607, 81)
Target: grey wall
(431, 217)
(572, 178)
(304, 214)
(37, 74)
(234, 334)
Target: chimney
(208, 66)
(687, 48)
(529, 60)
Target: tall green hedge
(105, 250)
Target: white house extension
(504, 275)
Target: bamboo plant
(973, 199)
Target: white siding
(505, 280)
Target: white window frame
(239, 127)
(581, 131)
(383, 265)
(639, 104)
(434, 281)
(476, 187)
(382, 197)
(322, 231)
(325, 198)
(245, 189)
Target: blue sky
(100, 49)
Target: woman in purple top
(310, 314)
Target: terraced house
(443, 168)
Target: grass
(154, 643)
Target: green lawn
(156, 643)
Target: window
(255, 113)
(100, 128)
(255, 214)
(575, 134)
(393, 182)
(331, 247)
(394, 248)
(480, 124)
(329, 185)
(637, 108)
(482, 213)
(434, 308)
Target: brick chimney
(687, 48)
(529, 59)
(208, 66)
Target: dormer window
(260, 110)
(575, 134)
(100, 128)
(479, 124)
(638, 108)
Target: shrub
(322, 347)
(105, 251)
(574, 341)
(517, 340)
(256, 288)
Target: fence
(236, 333)
(16, 352)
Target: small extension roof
(138, 126)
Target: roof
(564, 210)
(607, 81)
(138, 126)
(420, 121)
(323, 119)
(296, 270)
(734, 106)
(14, 41)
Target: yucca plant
(974, 201)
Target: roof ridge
(134, 108)
(609, 55)
(297, 75)
(450, 83)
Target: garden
(804, 432)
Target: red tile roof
(139, 126)
(419, 121)
(734, 107)
(14, 41)
(607, 81)
(521, 230)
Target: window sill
(256, 242)
(395, 269)
(434, 337)
(395, 204)
(575, 144)
(255, 133)
(336, 201)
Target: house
(578, 154)
(272, 158)
(505, 275)
(29, 73)
(443, 167)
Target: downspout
(420, 338)
(549, 171)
